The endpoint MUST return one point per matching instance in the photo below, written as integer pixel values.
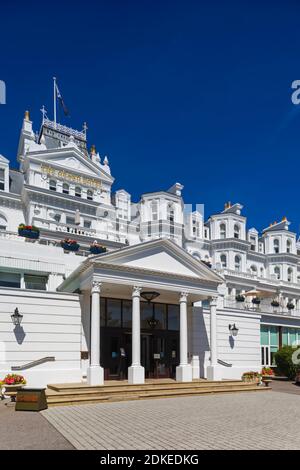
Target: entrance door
(265, 356)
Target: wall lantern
(149, 296)
(17, 318)
(233, 330)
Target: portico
(160, 266)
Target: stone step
(64, 398)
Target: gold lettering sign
(66, 176)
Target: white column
(95, 371)
(213, 370)
(136, 373)
(184, 370)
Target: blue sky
(197, 92)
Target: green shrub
(284, 362)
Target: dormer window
(78, 191)
(90, 195)
(236, 231)
(66, 188)
(276, 245)
(288, 246)
(154, 210)
(223, 259)
(2, 179)
(253, 243)
(222, 231)
(52, 185)
(170, 212)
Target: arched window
(3, 222)
(262, 272)
(288, 246)
(237, 263)
(66, 188)
(154, 210)
(276, 245)
(90, 195)
(277, 272)
(223, 259)
(290, 274)
(236, 231)
(253, 269)
(52, 185)
(170, 212)
(222, 231)
(78, 191)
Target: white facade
(66, 192)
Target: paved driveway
(236, 421)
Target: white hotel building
(80, 310)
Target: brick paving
(234, 421)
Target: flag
(60, 99)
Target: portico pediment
(162, 256)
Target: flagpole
(54, 101)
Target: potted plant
(290, 306)
(96, 248)
(12, 383)
(275, 303)
(240, 298)
(28, 231)
(256, 301)
(252, 377)
(69, 245)
(267, 375)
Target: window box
(240, 298)
(256, 301)
(290, 306)
(69, 245)
(97, 249)
(28, 231)
(275, 303)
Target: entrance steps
(113, 391)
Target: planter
(240, 298)
(70, 246)
(290, 306)
(96, 250)
(32, 234)
(256, 301)
(275, 304)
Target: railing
(66, 130)
(32, 364)
(264, 306)
(250, 276)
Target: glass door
(265, 356)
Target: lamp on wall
(17, 318)
(233, 330)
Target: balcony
(257, 279)
(264, 307)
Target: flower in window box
(28, 231)
(290, 306)
(96, 248)
(240, 298)
(69, 245)
(275, 303)
(256, 301)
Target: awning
(259, 293)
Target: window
(237, 263)
(223, 259)
(66, 188)
(277, 272)
(78, 191)
(114, 313)
(170, 212)
(70, 220)
(3, 222)
(236, 231)
(160, 315)
(222, 231)
(288, 246)
(173, 317)
(90, 195)
(276, 245)
(154, 209)
(290, 275)
(57, 217)
(127, 313)
(146, 314)
(87, 223)
(262, 272)
(2, 179)
(35, 282)
(253, 269)
(269, 340)
(290, 336)
(10, 280)
(253, 243)
(52, 185)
